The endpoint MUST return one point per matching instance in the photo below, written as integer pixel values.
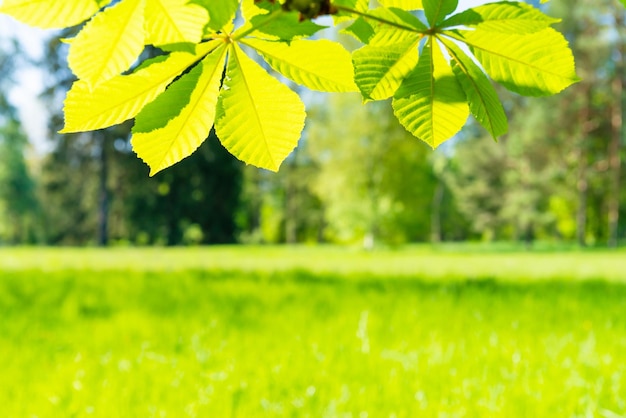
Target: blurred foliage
(357, 177)
(19, 208)
(97, 191)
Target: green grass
(312, 332)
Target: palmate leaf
(221, 12)
(50, 14)
(405, 26)
(123, 96)
(174, 21)
(319, 65)
(109, 43)
(183, 134)
(286, 26)
(536, 64)
(259, 119)
(379, 70)
(437, 10)
(503, 17)
(482, 97)
(430, 103)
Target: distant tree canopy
(425, 62)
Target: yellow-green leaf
(535, 64)
(173, 21)
(50, 14)
(261, 119)
(403, 4)
(122, 97)
(183, 134)
(379, 70)
(319, 65)
(430, 103)
(482, 97)
(109, 43)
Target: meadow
(449, 331)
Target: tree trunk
(617, 130)
(435, 212)
(582, 182)
(291, 200)
(104, 195)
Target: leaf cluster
(437, 66)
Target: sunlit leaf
(379, 70)
(50, 14)
(505, 17)
(286, 26)
(437, 10)
(122, 97)
(482, 97)
(109, 43)
(360, 29)
(403, 4)
(174, 21)
(536, 64)
(221, 12)
(430, 103)
(319, 65)
(261, 119)
(183, 134)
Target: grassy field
(312, 332)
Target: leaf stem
(378, 19)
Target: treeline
(357, 176)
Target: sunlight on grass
(201, 338)
(424, 262)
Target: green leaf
(109, 43)
(504, 17)
(360, 5)
(183, 134)
(50, 14)
(482, 97)
(122, 97)
(286, 26)
(342, 16)
(437, 10)
(250, 8)
(401, 18)
(405, 26)
(319, 65)
(536, 64)
(261, 119)
(379, 70)
(221, 12)
(174, 21)
(430, 104)
(360, 29)
(403, 4)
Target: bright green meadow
(450, 331)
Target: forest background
(357, 177)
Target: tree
(19, 207)
(177, 98)
(373, 179)
(97, 191)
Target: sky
(30, 80)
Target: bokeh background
(370, 277)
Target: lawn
(312, 332)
